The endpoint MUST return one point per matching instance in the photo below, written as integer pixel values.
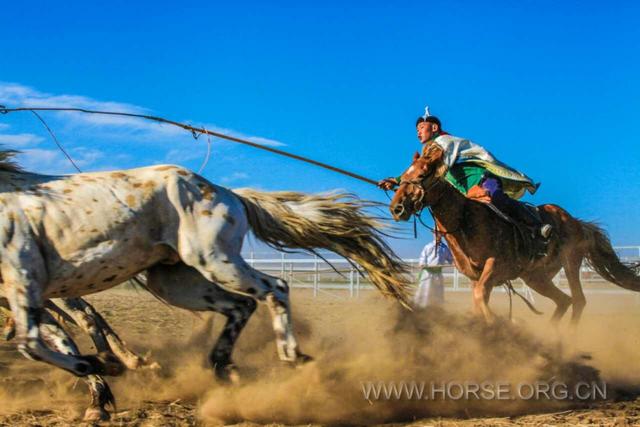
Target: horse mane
(432, 155)
(7, 161)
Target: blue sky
(550, 88)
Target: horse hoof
(228, 374)
(96, 414)
(140, 362)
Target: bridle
(419, 205)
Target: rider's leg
(511, 207)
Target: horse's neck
(449, 207)
(450, 214)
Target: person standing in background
(431, 281)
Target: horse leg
(104, 338)
(211, 243)
(571, 266)
(238, 310)
(238, 276)
(79, 312)
(22, 273)
(543, 285)
(482, 290)
(101, 395)
(232, 273)
(184, 287)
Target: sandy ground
(354, 341)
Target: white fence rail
(330, 274)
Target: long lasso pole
(195, 131)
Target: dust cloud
(355, 342)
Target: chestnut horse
(491, 251)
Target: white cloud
(16, 95)
(44, 161)
(99, 142)
(234, 177)
(182, 156)
(237, 134)
(265, 141)
(20, 139)
(54, 162)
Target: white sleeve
(450, 146)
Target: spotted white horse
(67, 236)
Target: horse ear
(416, 156)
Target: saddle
(525, 217)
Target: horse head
(414, 193)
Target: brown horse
(491, 251)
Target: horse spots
(88, 211)
(137, 185)
(206, 212)
(182, 172)
(226, 261)
(251, 291)
(118, 175)
(165, 168)
(229, 219)
(110, 278)
(131, 200)
(79, 276)
(95, 230)
(67, 190)
(207, 191)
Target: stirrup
(545, 230)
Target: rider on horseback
(477, 174)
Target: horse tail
(333, 221)
(605, 261)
